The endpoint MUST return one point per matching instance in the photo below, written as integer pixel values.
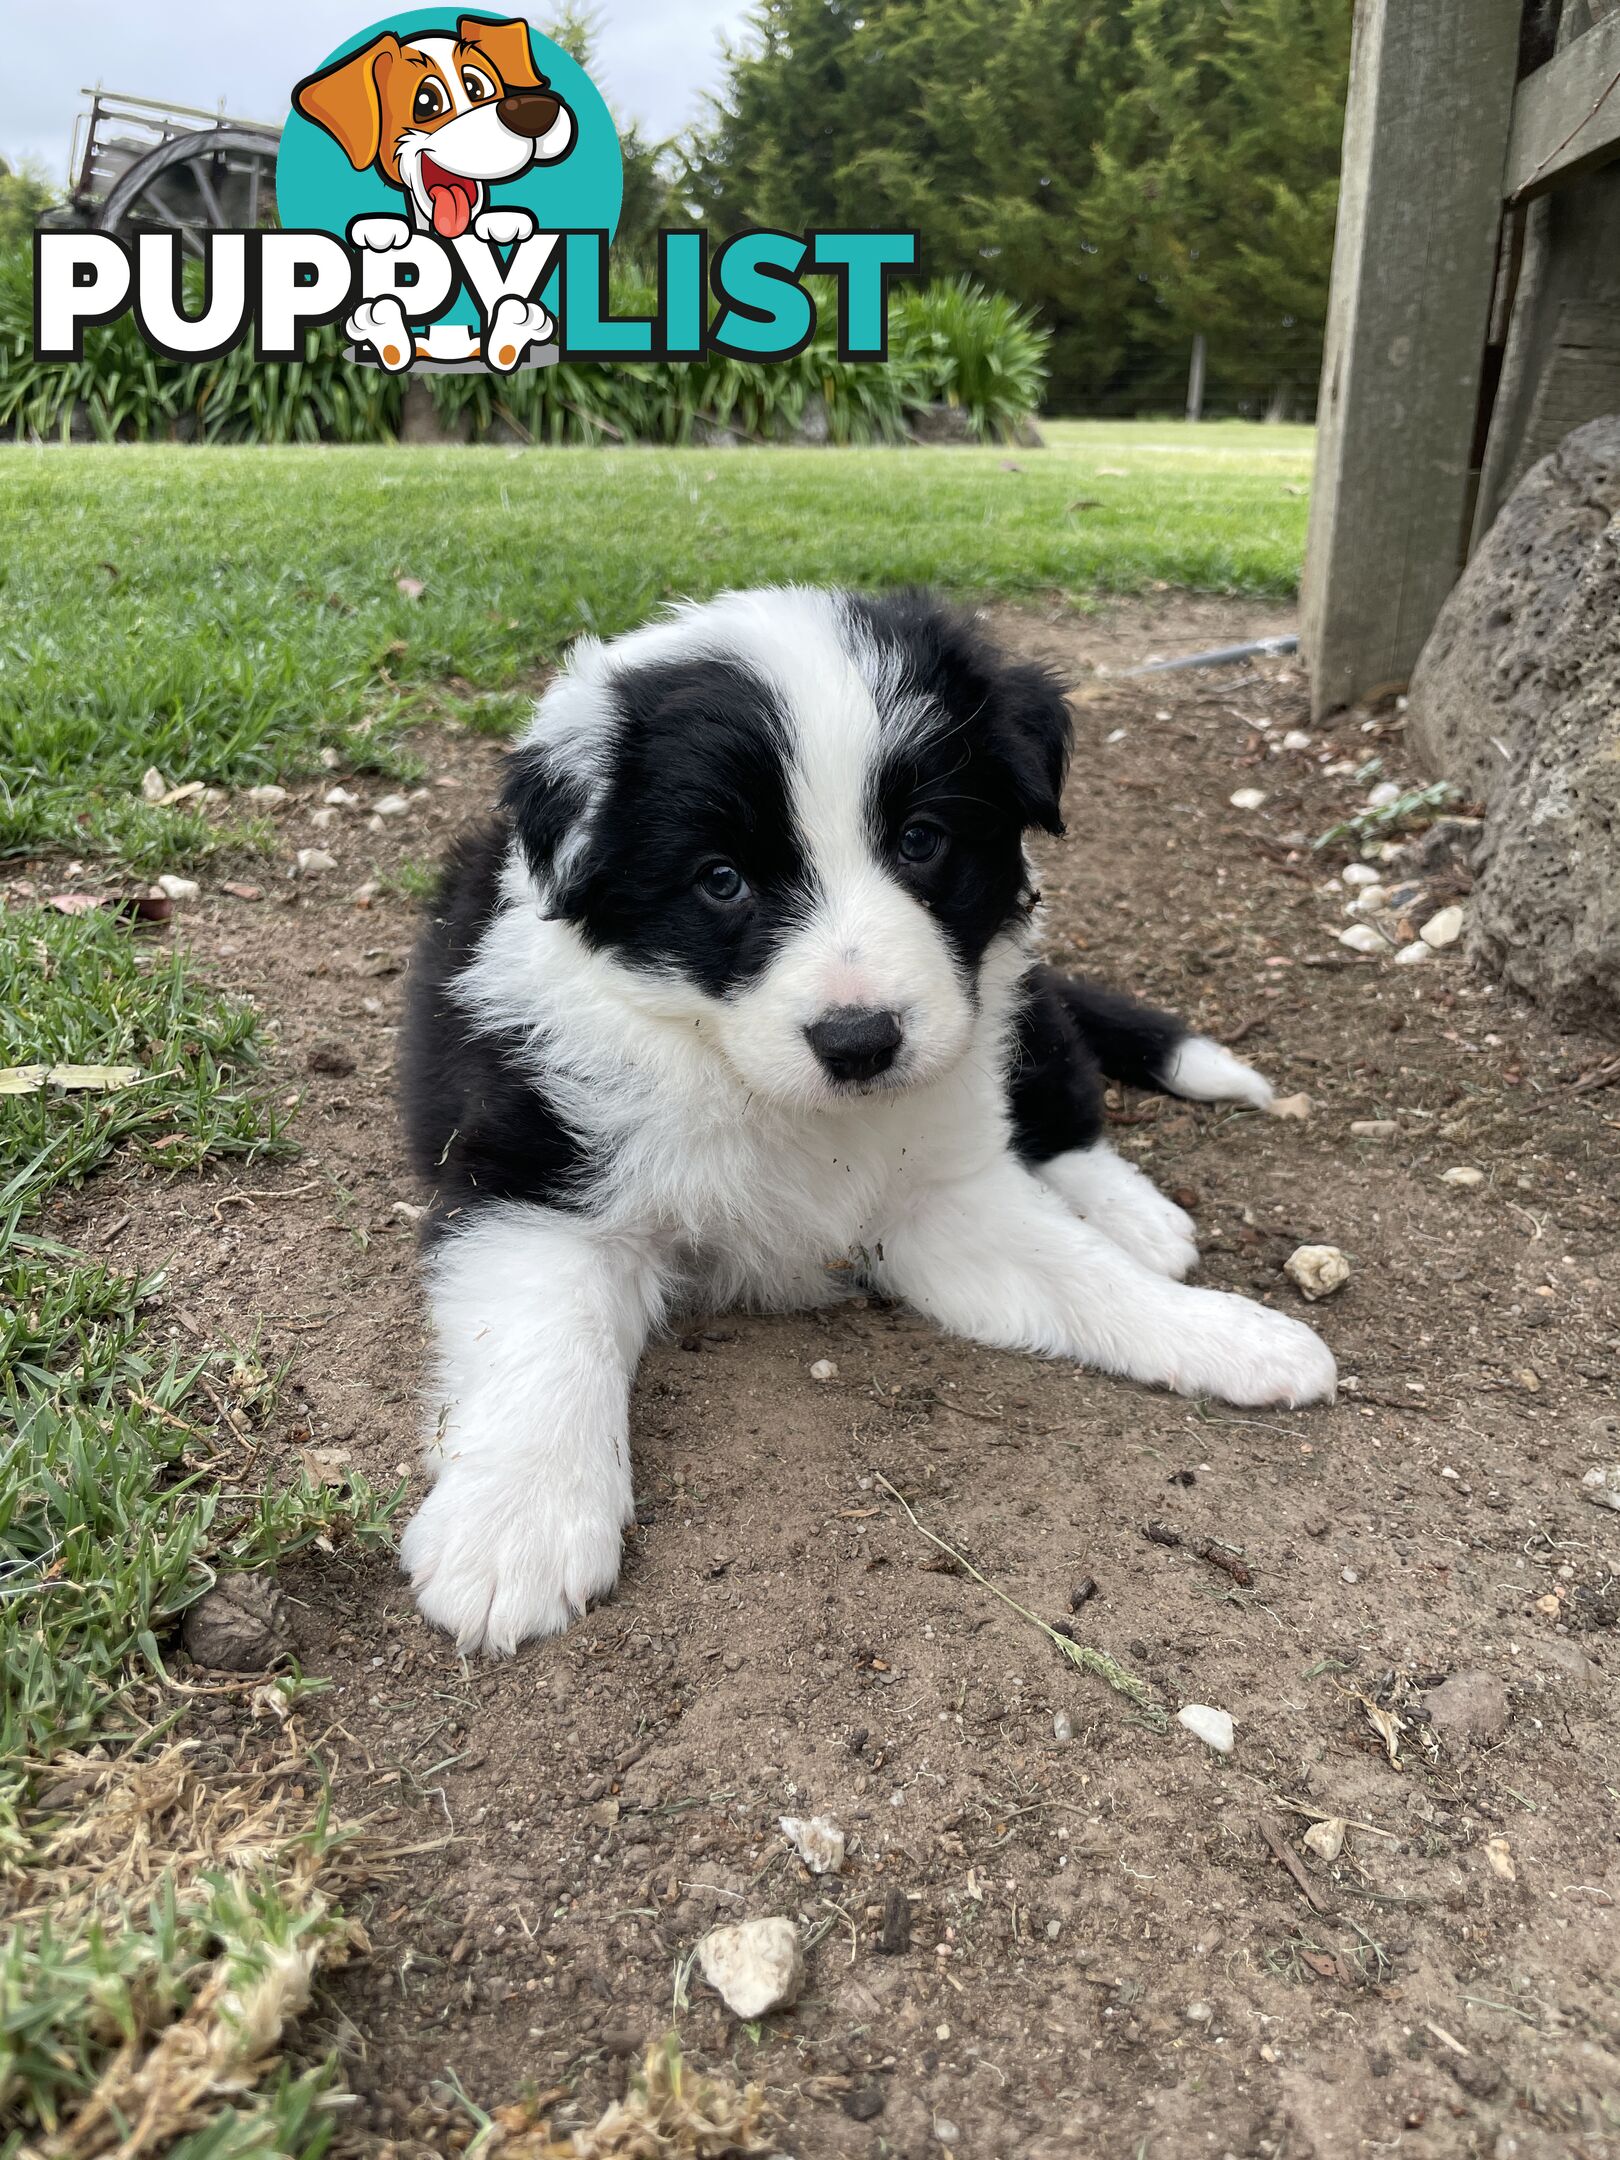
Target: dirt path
(1105, 1956)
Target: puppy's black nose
(529, 112)
(855, 1042)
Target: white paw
(504, 228)
(495, 1560)
(1201, 1071)
(1130, 1211)
(379, 234)
(513, 328)
(381, 325)
(1247, 1354)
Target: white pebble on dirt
(1602, 1486)
(818, 1842)
(177, 888)
(153, 785)
(1317, 1270)
(1213, 1727)
(1374, 1128)
(1326, 1839)
(391, 805)
(1443, 928)
(312, 861)
(1247, 798)
(1464, 1176)
(755, 1967)
(824, 1369)
(1363, 938)
(1410, 955)
(1361, 873)
(267, 797)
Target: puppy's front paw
(1249, 1355)
(495, 1561)
(379, 234)
(504, 228)
(381, 325)
(514, 327)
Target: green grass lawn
(218, 613)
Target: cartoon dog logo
(443, 119)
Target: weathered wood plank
(1566, 117)
(1426, 129)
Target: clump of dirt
(1063, 1922)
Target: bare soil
(1107, 1953)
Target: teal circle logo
(435, 122)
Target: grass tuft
(160, 1932)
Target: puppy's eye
(429, 101)
(722, 881)
(920, 843)
(477, 85)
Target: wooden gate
(1474, 312)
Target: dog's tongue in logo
(452, 197)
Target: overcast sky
(654, 58)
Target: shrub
(974, 349)
(951, 342)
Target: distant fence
(1474, 316)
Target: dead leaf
(1387, 1726)
(75, 1079)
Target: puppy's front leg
(997, 1257)
(539, 1324)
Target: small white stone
(818, 1842)
(1213, 1727)
(755, 1967)
(1374, 1128)
(153, 785)
(1348, 1575)
(1463, 1176)
(267, 797)
(391, 805)
(1384, 795)
(339, 798)
(1410, 955)
(1247, 798)
(944, 2129)
(1602, 1486)
(1199, 2013)
(321, 819)
(824, 1369)
(178, 888)
(1360, 873)
(330, 758)
(313, 860)
(1326, 1839)
(1296, 739)
(1443, 928)
(1063, 1728)
(1318, 1270)
(1363, 938)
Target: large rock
(1517, 699)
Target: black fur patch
(695, 777)
(1069, 1036)
(478, 1127)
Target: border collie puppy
(735, 1003)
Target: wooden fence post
(1420, 203)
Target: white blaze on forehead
(442, 52)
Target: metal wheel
(217, 179)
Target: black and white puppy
(734, 1003)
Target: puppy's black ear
(1034, 733)
(549, 809)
